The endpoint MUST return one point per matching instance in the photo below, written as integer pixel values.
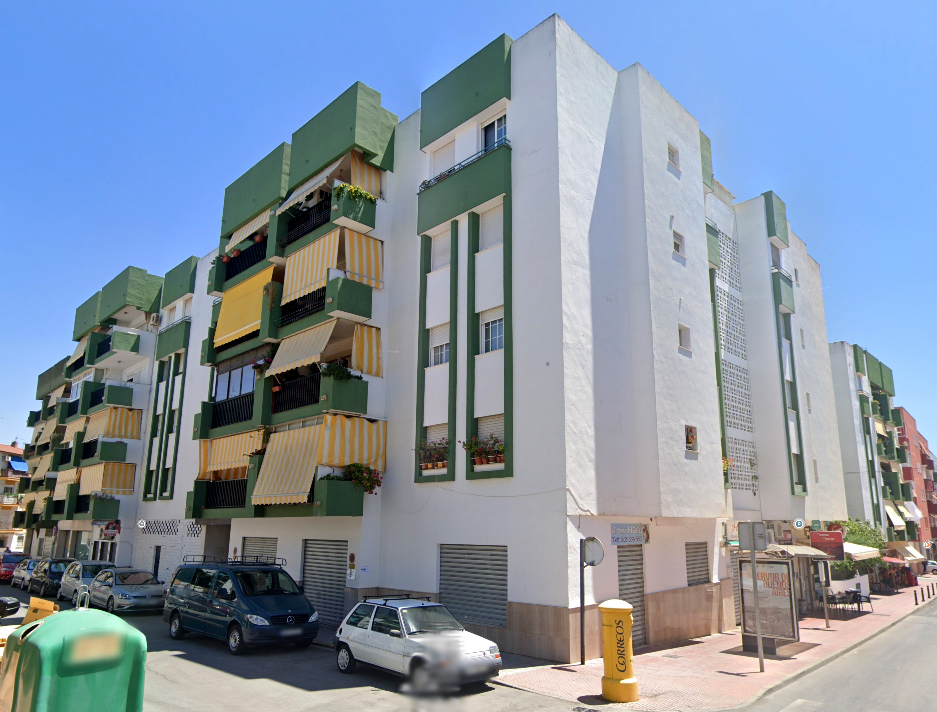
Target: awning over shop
(47, 430)
(857, 552)
(241, 308)
(308, 269)
(910, 554)
(314, 183)
(107, 478)
(797, 550)
(114, 422)
(73, 428)
(364, 175)
(65, 478)
(893, 516)
(227, 458)
(364, 259)
(42, 469)
(289, 467)
(366, 350)
(892, 560)
(245, 231)
(302, 349)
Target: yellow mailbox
(618, 683)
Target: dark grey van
(244, 603)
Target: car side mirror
(396, 634)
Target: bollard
(922, 594)
(619, 683)
(915, 597)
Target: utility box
(73, 660)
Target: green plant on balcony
(267, 431)
(103, 497)
(363, 477)
(338, 371)
(354, 192)
(433, 454)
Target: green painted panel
(349, 396)
(858, 356)
(355, 119)
(356, 214)
(478, 182)
(897, 418)
(86, 316)
(175, 338)
(133, 287)
(712, 247)
(865, 408)
(783, 290)
(32, 418)
(337, 498)
(874, 370)
(117, 395)
(258, 189)
(112, 451)
(776, 214)
(706, 155)
(477, 83)
(348, 297)
(50, 379)
(179, 281)
(888, 380)
(101, 509)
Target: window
(202, 578)
(692, 443)
(224, 583)
(673, 156)
(816, 472)
(494, 132)
(443, 159)
(361, 616)
(435, 433)
(439, 344)
(489, 425)
(803, 340)
(679, 245)
(183, 576)
(493, 335)
(441, 250)
(491, 228)
(683, 335)
(440, 355)
(796, 277)
(385, 621)
(697, 562)
(234, 382)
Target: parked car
(76, 574)
(126, 589)
(930, 567)
(47, 576)
(8, 562)
(244, 604)
(23, 572)
(416, 638)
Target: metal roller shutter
(631, 588)
(491, 228)
(325, 565)
(259, 547)
(734, 566)
(697, 563)
(473, 583)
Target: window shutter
(443, 159)
(491, 425)
(697, 563)
(491, 228)
(491, 314)
(437, 432)
(439, 335)
(442, 248)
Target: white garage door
(473, 583)
(259, 548)
(325, 564)
(734, 566)
(631, 588)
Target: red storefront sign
(830, 543)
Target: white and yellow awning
(903, 511)
(245, 231)
(858, 552)
(47, 430)
(302, 348)
(28, 497)
(73, 428)
(364, 175)
(64, 479)
(57, 393)
(40, 504)
(308, 269)
(114, 422)
(366, 350)
(289, 467)
(107, 478)
(314, 183)
(347, 440)
(79, 350)
(364, 259)
(895, 518)
(241, 308)
(228, 457)
(910, 554)
(42, 469)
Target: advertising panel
(775, 590)
(830, 543)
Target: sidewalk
(713, 673)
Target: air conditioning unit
(154, 319)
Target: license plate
(291, 631)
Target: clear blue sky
(122, 123)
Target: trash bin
(73, 660)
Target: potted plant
(235, 252)
(225, 258)
(442, 452)
(363, 477)
(259, 237)
(471, 447)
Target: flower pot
(484, 460)
(258, 238)
(422, 465)
(500, 458)
(478, 460)
(225, 259)
(445, 464)
(437, 465)
(235, 253)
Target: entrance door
(631, 588)
(325, 563)
(259, 548)
(157, 550)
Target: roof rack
(240, 561)
(397, 597)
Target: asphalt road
(198, 673)
(888, 673)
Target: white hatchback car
(415, 638)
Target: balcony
(64, 458)
(120, 347)
(247, 258)
(89, 449)
(313, 395)
(72, 408)
(94, 452)
(929, 485)
(783, 287)
(233, 410)
(337, 498)
(89, 506)
(96, 398)
(307, 305)
(307, 221)
(356, 214)
(33, 418)
(173, 338)
(296, 394)
(19, 519)
(226, 494)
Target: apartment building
(12, 469)
(919, 472)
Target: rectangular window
(221, 387)
(435, 433)
(679, 245)
(441, 250)
(697, 563)
(443, 159)
(494, 132)
(440, 355)
(234, 383)
(439, 344)
(493, 335)
(692, 442)
(683, 336)
(491, 228)
(247, 379)
(673, 156)
(491, 425)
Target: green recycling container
(73, 661)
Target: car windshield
(266, 583)
(136, 578)
(90, 570)
(58, 567)
(31, 564)
(429, 619)
(13, 558)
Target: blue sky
(123, 123)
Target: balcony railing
(781, 270)
(72, 408)
(462, 164)
(89, 449)
(177, 321)
(307, 305)
(296, 394)
(226, 494)
(103, 347)
(9, 499)
(247, 259)
(307, 221)
(233, 410)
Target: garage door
(259, 548)
(631, 588)
(473, 583)
(734, 566)
(325, 565)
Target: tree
(860, 532)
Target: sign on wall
(630, 534)
(830, 543)
(775, 592)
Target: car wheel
(345, 660)
(42, 590)
(110, 604)
(419, 677)
(75, 598)
(236, 644)
(303, 644)
(176, 631)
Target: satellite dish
(592, 551)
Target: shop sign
(775, 592)
(830, 543)
(630, 534)
(111, 530)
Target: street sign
(830, 543)
(592, 552)
(752, 536)
(799, 524)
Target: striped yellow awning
(314, 183)
(880, 429)
(364, 259)
(289, 467)
(347, 440)
(302, 349)
(107, 478)
(241, 308)
(308, 269)
(114, 422)
(57, 393)
(40, 504)
(79, 350)
(228, 453)
(42, 468)
(28, 497)
(73, 428)
(364, 175)
(366, 350)
(65, 478)
(244, 232)
(47, 430)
